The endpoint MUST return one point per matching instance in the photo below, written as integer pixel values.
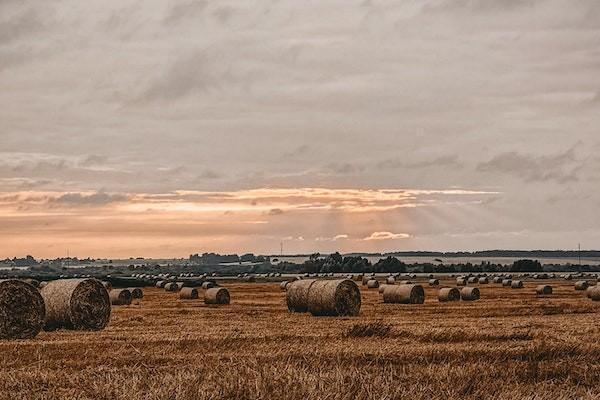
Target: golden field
(508, 345)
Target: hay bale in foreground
(469, 293)
(448, 294)
(188, 293)
(372, 284)
(137, 293)
(434, 282)
(404, 294)
(120, 297)
(594, 293)
(217, 295)
(581, 285)
(22, 310)
(334, 298)
(516, 285)
(543, 290)
(297, 295)
(81, 304)
(283, 286)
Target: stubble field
(508, 345)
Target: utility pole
(281, 248)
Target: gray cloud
(99, 198)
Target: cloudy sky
(164, 128)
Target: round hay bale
(382, 287)
(283, 286)
(120, 297)
(506, 282)
(483, 281)
(406, 283)
(543, 290)
(497, 279)
(216, 295)
(160, 284)
(188, 293)
(434, 282)
(171, 287)
(404, 294)
(390, 280)
(178, 285)
(297, 295)
(208, 285)
(516, 285)
(81, 304)
(581, 285)
(136, 293)
(372, 284)
(107, 285)
(469, 293)
(472, 279)
(365, 279)
(594, 293)
(448, 294)
(568, 277)
(22, 310)
(334, 298)
(460, 281)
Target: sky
(166, 128)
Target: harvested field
(510, 344)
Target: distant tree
(389, 265)
(526, 266)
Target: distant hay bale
(405, 282)
(107, 285)
(32, 282)
(581, 285)
(448, 294)
(179, 285)
(208, 285)
(22, 310)
(136, 293)
(516, 285)
(297, 295)
(404, 294)
(334, 298)
(594, 293)
(160, 284)
(283, 286)
(120, 297)
(372, 284)
(390, 280)
(543, 290)
(171, 287)
(497, 279)
(365, 279)
(506, 282)
(568, 277)
(483, 281)
(434, 282)
(216, 295)
(472, 279)
(188, 293)
(460, 281)
(469, 293)
(80, 304)
(357, 278)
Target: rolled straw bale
(160, 284)
(334, 298)
(506, 282)
(216, 295)
(120, 297)
(405, 283)
(171, 287)
(461, 281)
(283, 285)
(434, 282)
(404, 294)
(568, 277)
(469, 293)
(179, 285)
(448, 294)
(497, 279)
(208, 285)
(357, 278)
(543, 290)
(297, 295)
(516, 284)
(107, 285)
(483, 281)
(188, 293)
(365, 279)
(472, 279)
(136, 293)
(81, 304)
(594, 293)
(581, 285)
(390, 280)
(22, 310)
(382, 287)
(372, 284)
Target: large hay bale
(382, 287)
(506, 282)
(404, 294)
(543, 290)
(594, 293)
(469, 293)
(188, 293)
(283, 286)
(217, 295)
(120, 297)
(516, 285)
(581, 285)
(461, 281)
(334, 298)
(483, 281)
(22, 310)
(207, 285)
(137, 293)
(434, 282)
(372, 284)
(81, 304)
(449, 294)
(297, 295)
